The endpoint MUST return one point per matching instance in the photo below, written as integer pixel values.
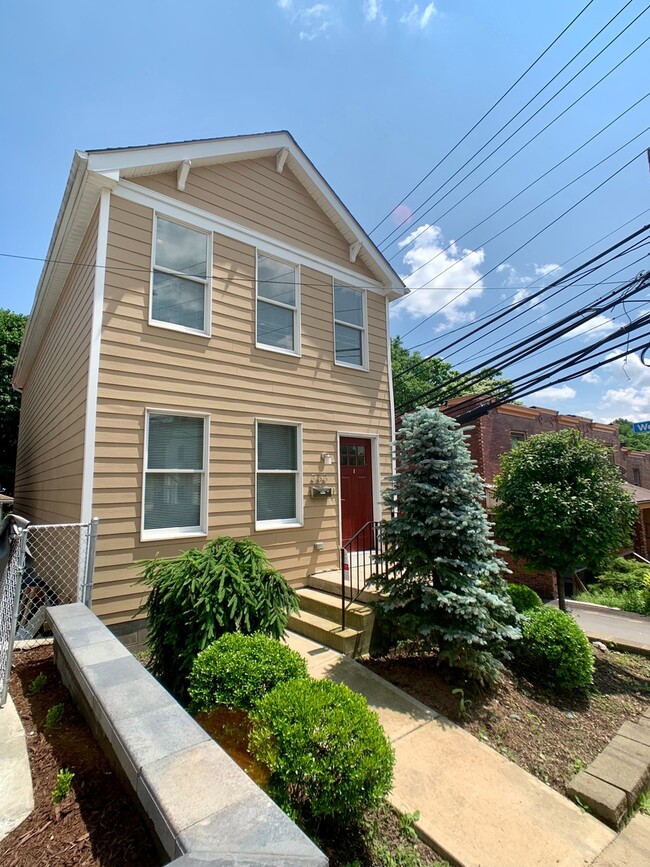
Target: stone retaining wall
(201, 807)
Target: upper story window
(350, 326)
(180, 287)
(174, 479)
(277, 305)
(516, 437)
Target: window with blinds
(277, 305)
(175, 474)
(349, 326)
(179, 291)
(278, 474)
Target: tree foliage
(227, 586)
(12, 328)
(445, 587)
(638, 441)
(408, 387)
(561, 502)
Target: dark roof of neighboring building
(639, 495)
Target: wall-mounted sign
(641, 426)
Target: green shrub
(54, 716)
(554, 650)
(637, 601)
(327, 752)
(63, 785)
(238, 670)
(623, 575)
(523, 598)
(228, 586)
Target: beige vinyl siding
(228, 377)
(251, 193)
(49, 465)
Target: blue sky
(376, 92)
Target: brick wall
(540, 581)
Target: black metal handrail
(363, 558)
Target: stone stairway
(319, 617)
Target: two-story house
(208, 343)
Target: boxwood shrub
(523, 598)
(328, 754)
(553, 650)
(238, 670)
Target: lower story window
(174, 485)
(278, 475)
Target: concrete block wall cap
(636, 732)
(257, 825)
(622, 769)
(103, 651)
(123, 688)
(61, 613)
(191, 785)
(607, 801)
(253, 859)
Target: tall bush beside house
(444, 587)
(227, 586)
(561, 503)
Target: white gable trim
(213, 223)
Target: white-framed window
(174, 500)
(516, 437)
(350, 343)
(278, 488)
(278, 318)
(180, 285)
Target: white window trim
(297, 328)
(177, 532)
(364, 330)
(300, 499)
(206, 331)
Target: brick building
(500, 430)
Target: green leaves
(561, 502)
(554, 650)
(228, 586)
(12, 328)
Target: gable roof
(94, 170)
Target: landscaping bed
(552, 735)
(96, 823)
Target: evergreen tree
(444, 586)
(12, 328)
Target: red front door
(355, 461)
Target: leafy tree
(408, 387)
(638, 441)
(445, 587)
(12, 328)
(561, 503)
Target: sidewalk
(476, 808)
(16, 794)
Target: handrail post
(343, 564)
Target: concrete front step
(348, 641)
(357, 616)
(330, 582)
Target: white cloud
(373, 11)
(551, 394)
(514, 279)
(630, 402)
(598, 325)
(545, 270)
(461, 268)
(591, 378)
(313, 21)
(417, 20)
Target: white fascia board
(179, 210)
(134, 161)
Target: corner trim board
(93, 361)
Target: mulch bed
(96, 823)
(551, 735)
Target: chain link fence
(46, 564)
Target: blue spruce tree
(444, 586)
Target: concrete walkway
(476, 808)
(16, 793)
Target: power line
(484, 116)
(537, 111)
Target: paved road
(611, 625)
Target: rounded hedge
(554, 650)
(328, 754)
(523, 598)
(238, 670)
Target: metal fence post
(90, 563)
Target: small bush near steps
(227, 586)
(238, 670)
(328, 754)
(554, 650)
(523, 598)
